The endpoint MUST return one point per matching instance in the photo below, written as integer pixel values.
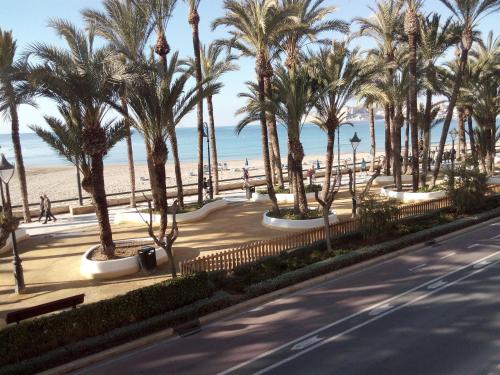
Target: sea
(230, 146)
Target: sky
(28, 21)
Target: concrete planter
(295, 225)
(388, 180)
(135, 217)
(493, 180)
(281, 197)
(110, 269)
(409, 196)
(21, 235)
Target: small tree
(376, 216)
(467, 189)
(360, 197)
(326, 204)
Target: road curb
(252, 303)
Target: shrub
(376, 216)
(312, 188)
(467, 189)
(34, 337)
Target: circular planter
(21, 235)
(136, 217)
(295, 225)
(388, 180)
(280, 197)
(409, 196)
(109, 269)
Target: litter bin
(147, 258)
(249, 191)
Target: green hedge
(34, 337)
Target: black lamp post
(355, 141)
(6, 173)
(205, 134)
(453, 134)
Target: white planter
(109, 269)
(21, 235)
(135, 217)
(295, 225)
(388, 180)
(494, 180)
(281, 197)
(409, 196)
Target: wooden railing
(252, 251)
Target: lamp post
(355, 141)
(6, 173)
(453, 133)
(205, 134)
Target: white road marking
(304, 344)
(495, 237)
(481, 264)
(361, 325)
(437, 284)
(418, 267)
(494, 224)
(327, 326)
(473, 245)
(257, 309)
(380, 310)
(449, 255)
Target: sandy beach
(59, 182)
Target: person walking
(46, 207)
(206, 188)
(42, 208)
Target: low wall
(21, 235)
(295, 225)
(409, 196)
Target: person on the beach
(206, 188)
(46, 207)
(363, 165)
(42, 209)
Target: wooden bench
(44, 308)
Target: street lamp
(6, 173)
(453, 134)
(355, 141)
(205, 134)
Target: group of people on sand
(45, 209)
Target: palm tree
(412, 31)
(160, 101)
(12, 95)
(213, 67)
(194, 20)
(66, 136)
(255, 27)
(87, 79)
(384, 27)
(435, 38)
(468, 13)
(126, 28)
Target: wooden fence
(252, 251)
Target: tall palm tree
(12, 95)
(435, 38)
(214, 66)
(194, 20)
(468, 14)
(127, 29)
(385, 27)
(412, 31)
(88, 79)
(255, 27)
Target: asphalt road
(432, 311)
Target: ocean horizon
(229, 145)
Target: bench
(44, 308)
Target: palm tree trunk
(412, 41)
(300, 200)
(130, 153)
(18, 155)
(426, 137)
(462, 145)
(152, 175)
(330, 141)
(407, 143)
(372, 138)
(193, 20)
(172, 135)
(449, 115)
(472, 141)
(159, 158)
(388, 138)
(273, 135)
(101, 205)
(213, 144)
(264, 137)
(397, 124)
